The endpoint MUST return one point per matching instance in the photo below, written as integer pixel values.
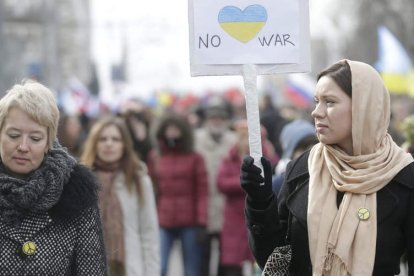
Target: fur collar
(80, 193)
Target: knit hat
(293, 133)
(216, 107)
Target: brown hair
(172, 118)
(341, 73)
(130, 162)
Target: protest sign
(248, 38)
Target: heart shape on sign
(242, 25)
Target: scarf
(39, 191)
(112, 216)
(340, 242)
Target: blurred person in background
(235, 250)
(296, 137)
(70, 133)
(272, 121)
(407, 129)
(181, 178)
(139, 129)
(138, 117)
(213, 140)
(197, 116)
(126, 200)
(49, 216)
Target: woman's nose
(317, 112)
(22, 146)
(110, 142)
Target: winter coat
(141, 233)
(181, 180)
(68, 238)
(395, 203)
(213, 153)
(233, 237)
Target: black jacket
(395, 232)
(68, 237)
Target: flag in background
(299, 90)
(394, 64)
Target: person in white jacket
(127, 200)
(213, 140)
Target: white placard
(248, 38)
(272, 34)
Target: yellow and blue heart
(242, 25)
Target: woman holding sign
(346, 206)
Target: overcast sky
(155, 35)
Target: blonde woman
(126, 200)
(49, 216)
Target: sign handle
(252, 113)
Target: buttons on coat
(29, 248)
(363, 214)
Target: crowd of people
(111, 195)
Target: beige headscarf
(340, 243)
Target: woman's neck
(105, 166)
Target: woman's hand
(251, 179)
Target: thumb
(267, 167)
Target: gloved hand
(251, 179)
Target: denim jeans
(190, 247)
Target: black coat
(68, 238)
(395, 232)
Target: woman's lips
(21, 160)
(320, 127)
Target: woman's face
(173, 137)
(23, 142)
(110, 147)
(333, 115)
(172, 132)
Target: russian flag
(299, 90)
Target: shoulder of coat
(405, 176)
(298, 167)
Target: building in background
(44, 39)
(141, 48)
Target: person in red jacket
(234, 249)
(181, 178)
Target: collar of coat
(80, 193)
